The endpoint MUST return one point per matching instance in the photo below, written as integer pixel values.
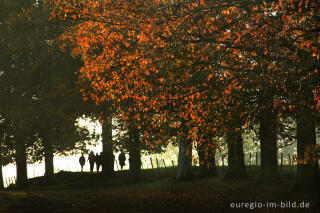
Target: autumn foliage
(164, 65)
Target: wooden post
(6, 181)
(151, 162)
(256, 158)
(250, 158)
(157, 163)
(281, 161)
(164, 163)
(172, 163)
(289, 160)
(118, 167)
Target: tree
(6, 147)
(195, 62)
(37, 80)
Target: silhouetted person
(122, 159)
(99, 161)
(82, 161)
(91, 160)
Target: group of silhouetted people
(98, 159)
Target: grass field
(156, 192)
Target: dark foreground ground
(157, 192)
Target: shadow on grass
(154, 192)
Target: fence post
(256, 158)
(6, 181)
(294, 160)
(250, 159)
(157, 163)
(289, 159)
(222, 158)
(117, 165)
(164, 163)
(151, 162)
(281, 161)
(172, 163)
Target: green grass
(155, 192)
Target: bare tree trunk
(307, 172)
(268, 146)
(21, 164)
(107, 147)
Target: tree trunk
(107, 147)
(268, 146)
(211, 161)
(184, 161)
(1, 175)
(203, 169)
(207, 160)
(236, 165)
(307, 171)
(21, 164)
(134, 154)
(48, 161)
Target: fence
(251, 159)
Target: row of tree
(188, 71)
(184, 72)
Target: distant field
(155, 192)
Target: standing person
(91, 160)
(98, 161)
(122, 159)
(82, 161)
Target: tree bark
(268, 146)
(107, 147)
(207, 160)
(1, 175)
(184, 161)
(211, 161)
(1, 172)
(134, 154)
(48, 161)
(236, 165)
(307, 167)
(21, 164)
(203, 169)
